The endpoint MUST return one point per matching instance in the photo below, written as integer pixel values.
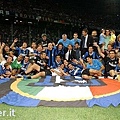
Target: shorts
(48, 72)
(86, 72)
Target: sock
(114, 76)
(29, 77)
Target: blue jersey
(76, 71)
(21, 51)
(51, 55)
(73, 41)
(94, 56)
(65, 42)
(96, 65)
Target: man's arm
(99, 50)
(13, 44)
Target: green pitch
(55, 113)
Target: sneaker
(19, 76)
(25, 77)
(118, 77)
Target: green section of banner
(23, 86)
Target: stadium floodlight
(30, 22)
(6, 19)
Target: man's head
(26, 59)
(89, 59)
(109, 47)
(65, 62)
(62, 66)
(70, 47)
(75, 36)
(70, 66)
(24, 45)
(20, 58)
(6, 48)
(58, 58)
(50, 46)
(9, 59)
(84, 32)
(64, 37)
(77, 45)
(34, 45)
(94, 33)
(107, 32)
(90, 49)
(44, 36)
(60, 46)
(43, 55)
(118, 37)
(112, 54)
(39, 47)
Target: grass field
(62, 113)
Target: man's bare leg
(40, 74)
(33, 67)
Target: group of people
(87, 57)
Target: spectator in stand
(75, 39)
(107, 38)
(65, 41)
(44, 40)
(86, 40)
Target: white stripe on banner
(62, 93)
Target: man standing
(86, 40)
(75, 39)
(44, 40)
(65, 41)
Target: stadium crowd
(87, 57)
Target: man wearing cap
(44, 40)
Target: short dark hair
(43, 52)
(89, 56)
(85, 30)
(77, 43)
(112, 51)
(60, 44)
